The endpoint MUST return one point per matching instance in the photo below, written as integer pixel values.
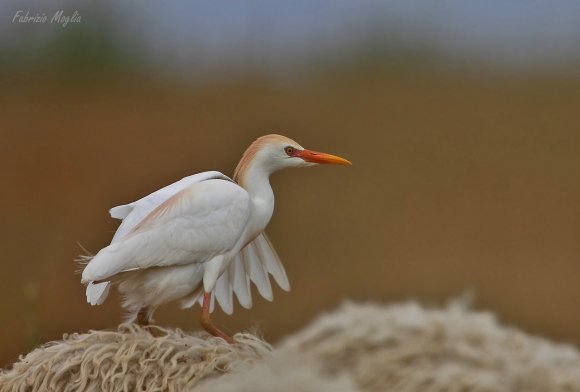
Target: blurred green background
(462, 121)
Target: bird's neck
(256, 181)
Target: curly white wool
(358, 348)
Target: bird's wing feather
(135, 212)
(270, 261)
(223, 292)
(197, 223)
(241, 282)
(251, 264)
(255, 269)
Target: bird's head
(275, 152)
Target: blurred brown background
(465, 178)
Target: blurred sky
(274, 36)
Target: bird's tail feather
(97, 292)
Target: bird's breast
(262, 211)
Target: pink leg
(206, 321)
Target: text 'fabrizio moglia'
(59, 17)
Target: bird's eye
(289, 150)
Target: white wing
(133, 213)
(252, 264)
(196, 224)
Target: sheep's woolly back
(409, 348)
(131, 358)
(358, 348)
(280, 373)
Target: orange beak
(320, 157)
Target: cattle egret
(199, 239)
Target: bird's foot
(207, 324)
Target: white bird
(199, 236)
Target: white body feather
(204, 230)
